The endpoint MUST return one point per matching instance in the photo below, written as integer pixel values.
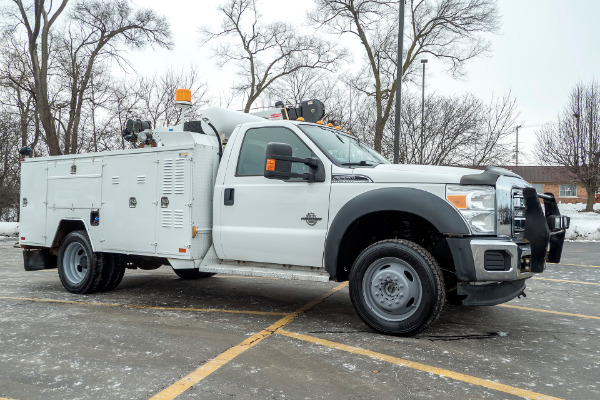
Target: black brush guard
(543, 228)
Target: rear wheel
(79, 268)
(192, 273)
(114, 270)
(397, 287)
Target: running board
(212, 263)
(282, 272)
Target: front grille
(518, 206)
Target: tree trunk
(591, 198)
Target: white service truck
(288, 199)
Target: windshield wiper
(363, 162)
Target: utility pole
(517, 146)
(423, 61)
(399, 84)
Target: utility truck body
(294, 200)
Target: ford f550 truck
(288, 199)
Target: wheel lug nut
(401, 295)
(401, 286)
(387, 276)
(389, 303)
(396, 279)
(381, 301)
(397, 301)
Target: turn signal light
(299, 119)
(270, 165)
(194, 231)
(458, 201)
(330, 124)
(320, 122)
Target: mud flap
(35, 260)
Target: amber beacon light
(183, 96)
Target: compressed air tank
(225, 120)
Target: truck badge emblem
(311, 219)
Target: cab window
(254, 148)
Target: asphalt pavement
(160, 337)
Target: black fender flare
(437, 211)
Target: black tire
(192, 273)
(113, 274)
(79, 268)
(397, 287)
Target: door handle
(228, 201)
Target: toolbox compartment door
(34, 189)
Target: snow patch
(584, 225)
(9, 229)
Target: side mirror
(278, 164)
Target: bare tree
(17, 92)
(264, 53)
(156, 95)
(9, 166)
(450, 30)
(574, 140)
(97, 30)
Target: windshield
(342, 148)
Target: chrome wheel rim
(75, 263)
(392, 289)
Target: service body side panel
(174, 229)
(129, 192)
(74, 190)
(34, 185)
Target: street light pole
(399, 84)
(517, 146)
(423, 61)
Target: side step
(278, 271)
(212, 263)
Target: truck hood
(402, 173)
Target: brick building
(557, 180)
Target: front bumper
(493, 270)
(490, 259)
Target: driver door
(271, 220)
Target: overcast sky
(543, 48)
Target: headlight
(477, 204)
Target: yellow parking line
(87, 303)
(576, 265)
(549, 311)
(566, 281)
(418, 366)
(211, 366)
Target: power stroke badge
(311, 219)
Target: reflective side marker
(181, 250)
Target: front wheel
(397, 287)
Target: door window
(254, 149)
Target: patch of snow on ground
(9, 228)
(584, 225)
